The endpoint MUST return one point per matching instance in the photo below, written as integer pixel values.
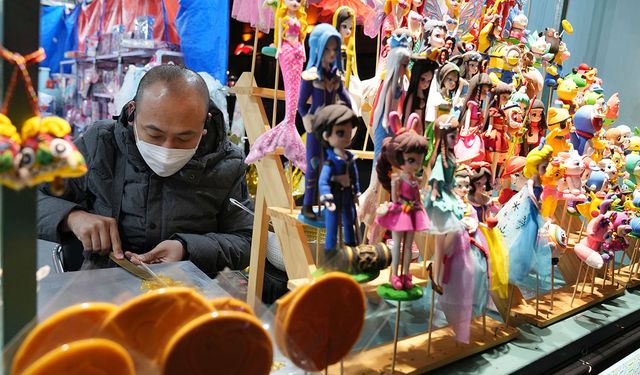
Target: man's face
(340, 136)
(330, 52)
(170, 119)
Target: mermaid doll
(290, 32)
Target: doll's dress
(458, 287)
(497, 140)
(479, 256)
(523, 229)
(407, 215)
(470, 146)
(498, 251)
(254, 13)
(291, 56)
(445, 212)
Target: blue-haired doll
(322, 82)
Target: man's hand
(166, 252)
(97, 233)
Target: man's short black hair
(176, 78)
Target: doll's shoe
(437, 288)
(396, 282)
(307, 212)
(407, 281)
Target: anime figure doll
(417, 94)
(536, 127)
(396, 17)
(559, 124)
(434, 33)
(289, 35)
(478, 250)
(470, 66)
(459, 14)
(470, 145)
(495, 134)
(415, 27)
(442, 207)
(338, 184)
(257, 13)
(550, 181)
(450, 87)
(513, 177)
(344, 20)
(522, 224)
(514, 118)
(486, 209)
(404, 154)
(322, 82)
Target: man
(159, 183)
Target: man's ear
(131, 111)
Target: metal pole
(18, 239)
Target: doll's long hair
(443, 125)
(393, 79)
(538, 104)
(342, 14)
(391, 154)
(534, 158)
(476, 175)
(318, 39)
(388, 7)
(419, 68)
(281, 13)
(473, 93)
(499, 89)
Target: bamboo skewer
(431, 308)
(575, 289)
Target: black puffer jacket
(192, 204)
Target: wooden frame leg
(258, 249)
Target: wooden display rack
(274, 203)
(412, 355)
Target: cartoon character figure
(559, 124)
(344, 20)
(433, 38)
(522, 224)
(588, 121)
(610, 169)
(550, 180)
(9, 152)
(625, 134)
(515, 117)
(470, 145)
(442, 207)
(290, 32)
(417, 95)
(504, 59)
(536, 127)
(567, 92)
(322, 82)
(632, 166)
(495, 135)
(589, 247)
(339, 186)
(557, 242)
(513, 177)
(405, 215)
(570, 186)
(517, 32)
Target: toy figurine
(396, 17)
(433, 38)
(570, 186)
(405, 215)
(632, 166)
(486, 209)
(470, 145)
(495, 134)
(338, 184)
(442, 207)
(567, 91)
(459, 15)
(514, 118)
(559, 124)
(344, 20)
(10, 145)
(450, 86)
(589, 247)
(522, 224)
(514, 177)
(588, 121)
(470, 65)
(519, 24)
(536, 127)
(417, 95)
(322, 82)
(289, 35)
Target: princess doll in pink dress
(400, 159)
(257, 13)
(290, 32)
(470, 146)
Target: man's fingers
(95, 240)
(86, 242)
(148, 257)
(116, 245)
(105, 240)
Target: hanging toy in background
(46, 152)
(470, 145)
(10, 146)
(405, 215)
(495, 134)
(290, 32)
(625, 135)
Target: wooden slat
(412, 355)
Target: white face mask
(164, 161)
